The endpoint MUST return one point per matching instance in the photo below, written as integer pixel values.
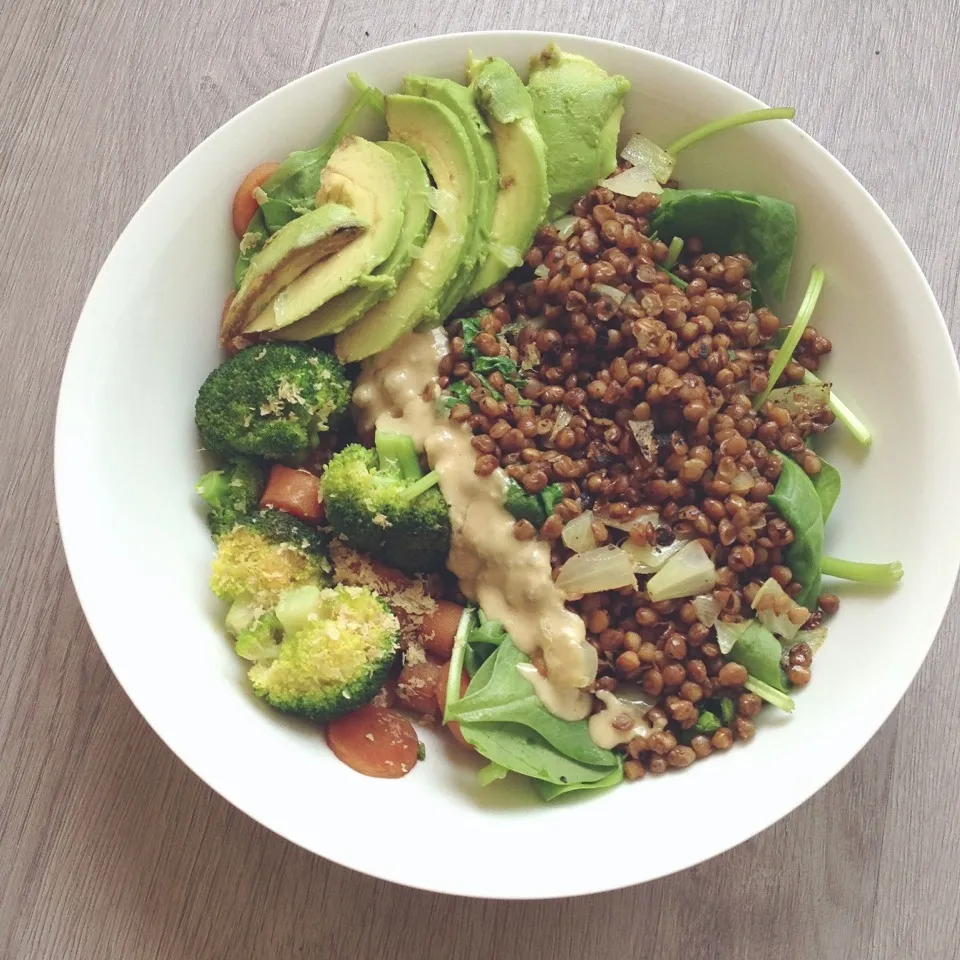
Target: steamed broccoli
(233, 493)
(380, 502)
(271, 400)
(261, 557)
(336, 649)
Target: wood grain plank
(111, 848)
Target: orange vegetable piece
(438, 628)
(244, 203)
(294, 491)
(374, 741)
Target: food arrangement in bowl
(511, 442)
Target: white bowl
(138, 550)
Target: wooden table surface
(109, 847)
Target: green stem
(875, 574)
(491, 772)
(398, 454)
(770, 694)
(728, 123)
(370, 97)
(456, 659)
(673, 254)
(844, 414)
(784, 354)
(420, 486)
(676, 281)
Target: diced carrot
(453, 726)
(438, 628)
(294, 491)
(417, 687)
(374, 741)
(244, 203)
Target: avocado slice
(578, 107)
(459, 99)
(294, 248)
(523, 195)
(345, 309)
(367, 179)
(438, 137)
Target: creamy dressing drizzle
(605, 734)
(510, 579)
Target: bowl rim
(72, 379)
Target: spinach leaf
(551, 495)
(729, 221)
(482, 643)
(728, 710)
(759, 651)
(501, 694)
(797, 501)
(550, 791)
(471, 327)
(290, 191)
(458, 392)
(707, 723)
(523, 505)
(488, 365)
(827, 485)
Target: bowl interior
(127, 461)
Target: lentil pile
(634, 391)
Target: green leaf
(827, 485)
(771, 694)
(491, 773)
(524, 506)
(550, 791)
(551, 495)
(707, 723)
(728, 710)
(501, 364)
(458, 392)
(471, 327)
(729, 222)
(759, 651)
(500, 694)
(796, 500)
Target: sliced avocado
(458, 98)
(342, 311)
(294, 248)
(438, 137)
(578, 107)
(523, 195)
(367, 179)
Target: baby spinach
(759, 651)
(796, 500)
(730, 221)
(504, 719)
(523, 505)
(458, 392)
(827, 485)
(290, 191)
(550, 791)
(707, 722)
(728, 710)
(482, 643)
(551, 496)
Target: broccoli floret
(264, 555)
(233, 493)
(260, 640)
(336, 652)
(271, 400)
(380, 502)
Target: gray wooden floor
(109, 847)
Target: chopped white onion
(542, 271)
(531, 357)
(605, 290)
(648, 516)
(729, 633)
(578, 533)
(565, 226)
(442, 203)
(773, 606)
(603, 568)
(641, 152)
(632, 182)
(814, 639)
(642, 431)
(806, 398)
(708, 608)
(563, 419)
(649, 559)
(508, 256)
(688, 572)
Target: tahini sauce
(603, 731)
(510, 579)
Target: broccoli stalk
(873, 574)
(381, 502)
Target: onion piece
(689, 572)
(814, 639)
(565, 226)
(531, 358)
(642, 431)
(603, 568)
(632, 182)
(641, 152)
(563, 420)
(806, 398)
(648, 516)
(605, 290)
(578, 534)
(649, 559)
(441, 202)
(542, 271)
(708, 608)
(774, 605)
(729, 633)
